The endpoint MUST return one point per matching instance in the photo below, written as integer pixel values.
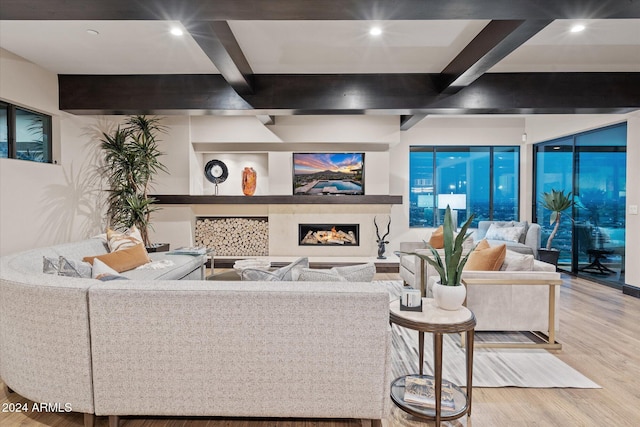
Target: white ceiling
(121, 47)
(146, 47)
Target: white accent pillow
(100, 269)
(284, 274)
(357, 273)
(506, 234)
(316, 275)
(517, 262)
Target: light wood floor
(600, 332)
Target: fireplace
(328, 234)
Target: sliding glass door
(592, 165)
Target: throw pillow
(110, 277)
(73, 268)
(507, 234)
(437, 238)
(258, 275)
(118, 241)
(124, 259)
(517, 262)
(50, 265)
(486, 258)
(284, 274)
(356, 273)
(100, 269)
(316, 275)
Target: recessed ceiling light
(176, 31)
(375, 31)
(92, 32)
(577, 28)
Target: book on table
(193, 250)
(421, 391)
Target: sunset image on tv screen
(328, 173)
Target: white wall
(274, 170)
(236, 162)
(44, 204)
(632, 269)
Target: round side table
(438, 322)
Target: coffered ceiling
(317, 57)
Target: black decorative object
(381, 242)
(217, 172)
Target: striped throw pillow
(118, 241)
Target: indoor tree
(557, 202)
(131, 161)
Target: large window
(479, 180)
(592, 165)
(24, 134)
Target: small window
(24, 134)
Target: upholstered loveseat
(151, 346)
(515, 298)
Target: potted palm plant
(449, 293)
(557, 202)
(131, 161)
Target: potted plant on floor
(557, 202)
(449, 293)
(131, 161)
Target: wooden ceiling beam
(401, 94)
(497, 40)
(266, 119)
(409, 121)
(217, 41)
(223, 10)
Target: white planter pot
(449, 297)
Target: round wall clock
(216, 171)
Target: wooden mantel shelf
(180, 199)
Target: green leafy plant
(131, 161)
(450, 270)
(557, 202)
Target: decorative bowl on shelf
(258, 264)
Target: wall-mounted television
(328, 174)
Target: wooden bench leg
(114, 421)
(89, 420)
(371, 423)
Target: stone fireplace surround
(283, 220)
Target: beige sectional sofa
(192, 347)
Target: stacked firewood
(233, 236)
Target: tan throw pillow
(486, 258)
(123, 260)
(118, 241)
(437, 238)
